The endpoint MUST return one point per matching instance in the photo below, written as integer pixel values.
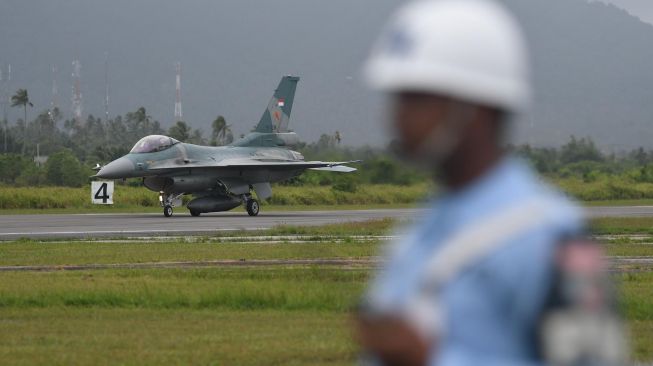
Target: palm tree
(180, 131)
(218, 126)
(221, 132)
(22, 99)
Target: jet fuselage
(175, 169)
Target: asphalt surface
(130, 225)
(620, 211)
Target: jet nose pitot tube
(117, 169)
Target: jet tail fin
(277, 115)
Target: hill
(592, 63)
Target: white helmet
(469, 49)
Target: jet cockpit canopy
(153, 143)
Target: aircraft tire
(194, 213)
(252, 207)
(167, 211)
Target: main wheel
(167, 211)
(252, 207)
(194, 213)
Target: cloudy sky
(591, 62)
(642, 9)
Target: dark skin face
(416, 114)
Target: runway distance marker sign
(102, 192)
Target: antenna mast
(106, 85)
(4, 91)
(54, 103)
(178, 113)
(77, 93)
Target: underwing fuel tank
(213, 204)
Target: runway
(121, 225)
(130, 225)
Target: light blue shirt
(492, 308)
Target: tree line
(94, 140)
(74, 147)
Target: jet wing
(270, 164)
(336, 168)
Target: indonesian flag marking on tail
(281, 102)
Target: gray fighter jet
(222, 178)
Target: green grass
(54, 253)
(136, 336)
(273, 315)
(139, 199)
(629, 250)
(129, 199)
(622, 225)
(321, 244)
(637, 304)
(605, 188)
(629, 202)
(371, 227)
(313, 288)
(153, 316)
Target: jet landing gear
(168, 201)
(251, 205)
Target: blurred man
(498, 272)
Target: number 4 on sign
(102, 193)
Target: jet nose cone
(120, 168)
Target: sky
(642, 9)
(234, 52)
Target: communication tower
(178, 113)
(106, 86)
(77, 93)
(54, 103)
(4, 99)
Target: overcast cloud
(592, 69)
(642, 9)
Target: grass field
(272, 315)
(33, 200)
(140, 199)
(141, 336)
(127, 199)
(622, 225)
(209, 316)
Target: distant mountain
(592, 61)
(639, 8)
(593, 69)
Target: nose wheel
(168, 201)
(252, 207)
(167, 210)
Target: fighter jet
(223, 177)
